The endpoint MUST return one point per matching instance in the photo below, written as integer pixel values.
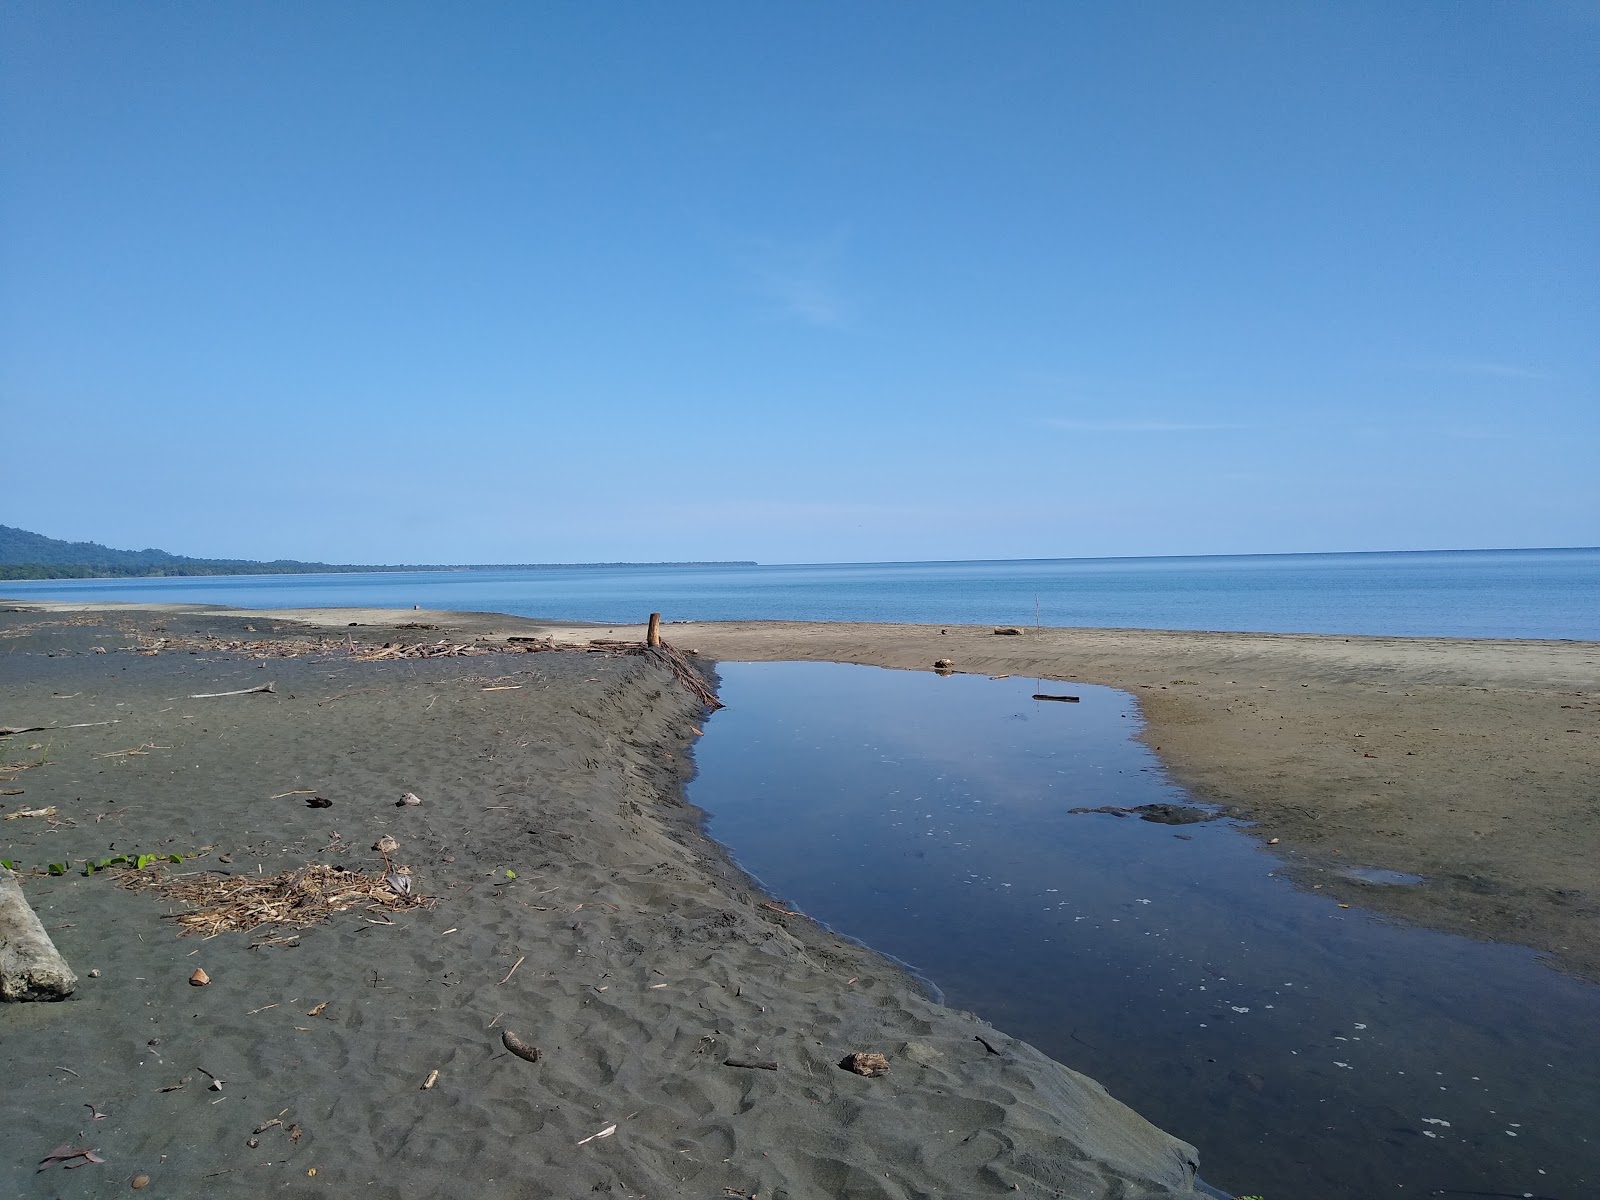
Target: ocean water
(1307, 1050)
(1465, 593)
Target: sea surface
(1306, 1049)
(1458, 593)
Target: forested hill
(25, 555)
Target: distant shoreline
(41, 573)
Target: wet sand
(578, 905)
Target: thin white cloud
(1141, 426)
(1495, 370)
(799, 278)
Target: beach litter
(604, 1133)
(299, 898)
(410, 798)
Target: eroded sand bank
(578, 905)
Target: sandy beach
(573, 899)
(690, 1030)
(1474, 763)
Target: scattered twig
(514, 967)
(32, 812)
(753, 1064)
(265, 687)
(7, 730)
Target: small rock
(943, 664)
(94, 973)
(866, 1062)
(252, 1142)
(139, 1181)
(199, 978)
(408, 798)
(386, 845)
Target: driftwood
(440, 649)
(1063, 699)
(517, 1046)
(678, 664)
(752, 1064)
(265, 687)
(31, 968)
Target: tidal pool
(1310, 1052)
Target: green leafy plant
(137, 861)
(510, 874)
(8, 864)
(57, 868)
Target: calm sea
(1458, 593)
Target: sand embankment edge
(580, 906)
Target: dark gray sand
(579, 906)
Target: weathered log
(31, 968)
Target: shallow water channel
(1309, 1051)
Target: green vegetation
(25, 555)
(137, 862)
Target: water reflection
(1308, 1050)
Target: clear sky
(390, 282)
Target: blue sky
(392, 282)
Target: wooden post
(652, 636)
